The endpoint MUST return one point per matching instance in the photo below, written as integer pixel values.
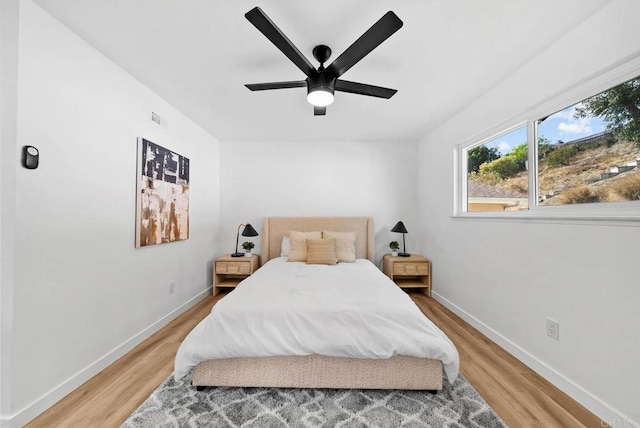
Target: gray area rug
(178, 404)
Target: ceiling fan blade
(319, 111)
(372, 38)
(277, 85)
(364, 89)
(262, 22)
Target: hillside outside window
(589, 151)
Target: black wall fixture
(30, 157)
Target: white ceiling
(198, 54)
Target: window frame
(619, 213)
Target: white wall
(507, 277)
(83, 294)
(8, 150)
(316, 179)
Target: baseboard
(594, 404)
(29, 412)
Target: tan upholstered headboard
(277, 227)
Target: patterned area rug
(178, 404)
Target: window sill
(608, 219)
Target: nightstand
(229, 271)
(409, 272)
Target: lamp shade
(399, 228)
(249, 231)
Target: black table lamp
(399, 228)
(247, 231)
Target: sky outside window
(560, 126)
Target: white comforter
(288, 308)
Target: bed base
(316, 371)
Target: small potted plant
(248, 246)
(394, 247)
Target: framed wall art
(162, 212)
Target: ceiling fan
(322, 82)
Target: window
(587, 154)
(589, 151)
(497, 173)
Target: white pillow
(285, 247)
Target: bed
(348, 361)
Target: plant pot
(394, 253)
(247, 254)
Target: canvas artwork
(163, 195)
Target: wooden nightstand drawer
(413, 272)
(228, 271)
(410, 269)
(231, 268)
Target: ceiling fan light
(320, 97)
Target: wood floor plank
(520, 396)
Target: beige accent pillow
(298, 248)
(345, 245)
(321, 251)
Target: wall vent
(155, 117)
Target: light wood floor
(516, 393)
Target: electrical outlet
(172, 287)
(553, 329)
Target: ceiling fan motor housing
(320, 82)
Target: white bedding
(291, 308)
